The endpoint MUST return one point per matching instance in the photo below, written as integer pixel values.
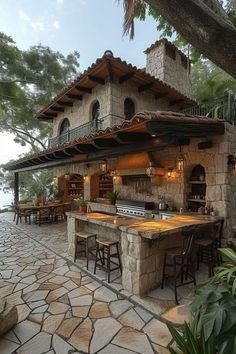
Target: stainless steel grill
(133, 208)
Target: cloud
(60, 2)
(39, 25)
(56, 24)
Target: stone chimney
(167, 63)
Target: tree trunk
(205, 30)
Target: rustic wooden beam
(126, 138)
(64, 103)
(183, 129)
(109, 70)
(126, 77)
(84, 148)
(104, 143)
(160, 95)
(178, 101)
(150, 144)
(83, 89)
(44, 165)
(96, 79)
(74, 97)
(57, 109)
(145, 87)
(50, 114)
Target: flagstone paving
(62, 310)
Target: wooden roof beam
(126, 77)
(57, 109)
(83, 89)
(96, 79)
(109, 70)
(145, 87)
(63, 103)
(126, 138)
(104, 143)
(74, 97)
(50, 114)
(161, 95)
(172, 103)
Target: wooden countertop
(147, 228)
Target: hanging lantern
(103, 167)
(180, 160)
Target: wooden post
(16, 187)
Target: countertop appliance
(134, 208)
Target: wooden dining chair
(43, 215)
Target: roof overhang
(106, 69)
(147, 131)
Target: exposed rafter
(109, 70)
(64, 103)
(161, 95)
(172, 103)
(74, 97)
(145, 87)
(83, 89)
(104, 143)
(57, 109)
(50, 114)
(126, 138)
(126, 77)
(96, 79)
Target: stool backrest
(187, 244)
(218, 231)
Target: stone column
(71, 229)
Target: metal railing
(84, 130)
(221, 108)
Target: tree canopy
(208, 25)
(29, 79)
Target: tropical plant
(207, 25)
(112, 196)
(80, 202)
(212, 327)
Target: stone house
(97, 127)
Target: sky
(88, 26)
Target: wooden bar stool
(82, 244)
(180, 259)
(104, 255)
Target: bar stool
(82, 244)
(104, 255)
(181, 261)
(208, 245)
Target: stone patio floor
(63, 309)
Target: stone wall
(220, 178)
(169, 68)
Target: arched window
(65, 126)
(95, 114)
(129, 108)
(64, 132)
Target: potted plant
(112, 196)
(81, 203)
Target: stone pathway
(63, 310)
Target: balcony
(221, 108)
(84, 130)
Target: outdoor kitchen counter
(142, 242)
(147, 228)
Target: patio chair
(180, 259)
(43, 215)
(19, 213)
(59, 213)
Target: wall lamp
(170, 172)
(180, 160)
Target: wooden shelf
(197, 182)
(197, 200)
